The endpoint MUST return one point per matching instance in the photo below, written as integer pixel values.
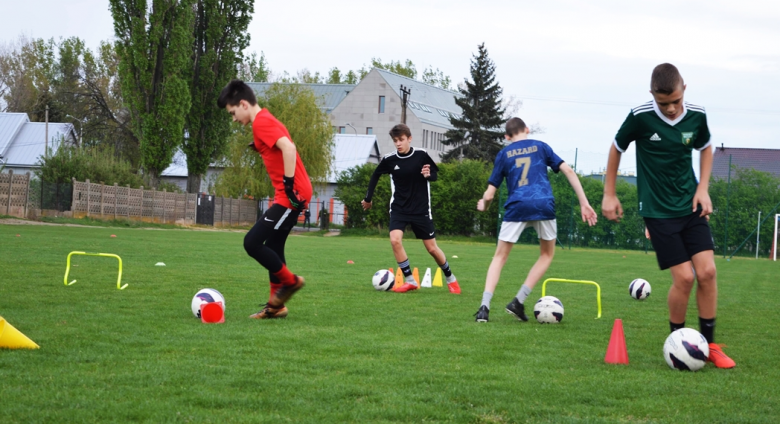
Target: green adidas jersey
(665, 180)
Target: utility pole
(405, 93)
(46, 145)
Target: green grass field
(348, 353)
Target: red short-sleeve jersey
(267, 130)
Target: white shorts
(510, 231)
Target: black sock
(707, 328)
(405, 268)
(673, 326)
(446, 269)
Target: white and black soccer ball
(383, 280)
(548, 310)
(639, 289)
(206, 296)
(686, 349)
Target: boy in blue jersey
(523, 164)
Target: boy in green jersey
(672, 203)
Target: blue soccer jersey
(524, 165)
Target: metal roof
(177, 168)
(430, 104)
(352, 150)
(10, 123)
(765, 160)
(330, 94)
(28, 144)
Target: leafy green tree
(406, 68)
(154, 46)
(254, 69)
(297, 107)
(220, 35)
(97, 164)
(454, 198)
(477, 133)
(351, 187)
(436, 78)
(751, 191)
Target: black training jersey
(411, 192)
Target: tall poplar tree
(220, 35)
(477, 134)
(154, 46)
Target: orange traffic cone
(399, 279)
(416, 275)
(616, 351)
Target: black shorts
(279, 218)
(422, 225)
(676, 240)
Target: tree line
(461, 183)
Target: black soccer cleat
(482, 314)
(517, 309)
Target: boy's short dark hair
(514, 126)
(666, 78)
(234, 92)
(399, 130)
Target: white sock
(523, 294)
(486, 296)
(451, 278)
(410, 280)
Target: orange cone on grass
(399, 279)
(616, 351)
(416, 275)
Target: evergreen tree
(477, 134)
(220, 35)
(154, 46)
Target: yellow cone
(12, 338)
(437, 278)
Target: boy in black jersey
(411, 171)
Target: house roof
(430, 104)
(351, 150)
(765, 160)
(330, 94)
(22, 142)
(10, 124)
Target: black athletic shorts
(676, 240)
(279, 218)
(422, 225)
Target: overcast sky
(577, 66)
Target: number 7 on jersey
(525, 163)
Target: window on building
(381, 104)
(425, 108)
(369, 130)
(342, 130)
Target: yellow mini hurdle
(561, 280)
(108, 255)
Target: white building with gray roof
(374, 107)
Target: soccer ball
(206, 296)
(639, 289)
(548, 310)
(686, 349)
(383, 280)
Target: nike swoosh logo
(431, 234)
(269, 220)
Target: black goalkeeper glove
(296, 202)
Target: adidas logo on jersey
(655, 137)
(396, 167)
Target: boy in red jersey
(265, 241)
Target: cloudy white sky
(577, 66)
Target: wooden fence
(14, 193)
(112, 201)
